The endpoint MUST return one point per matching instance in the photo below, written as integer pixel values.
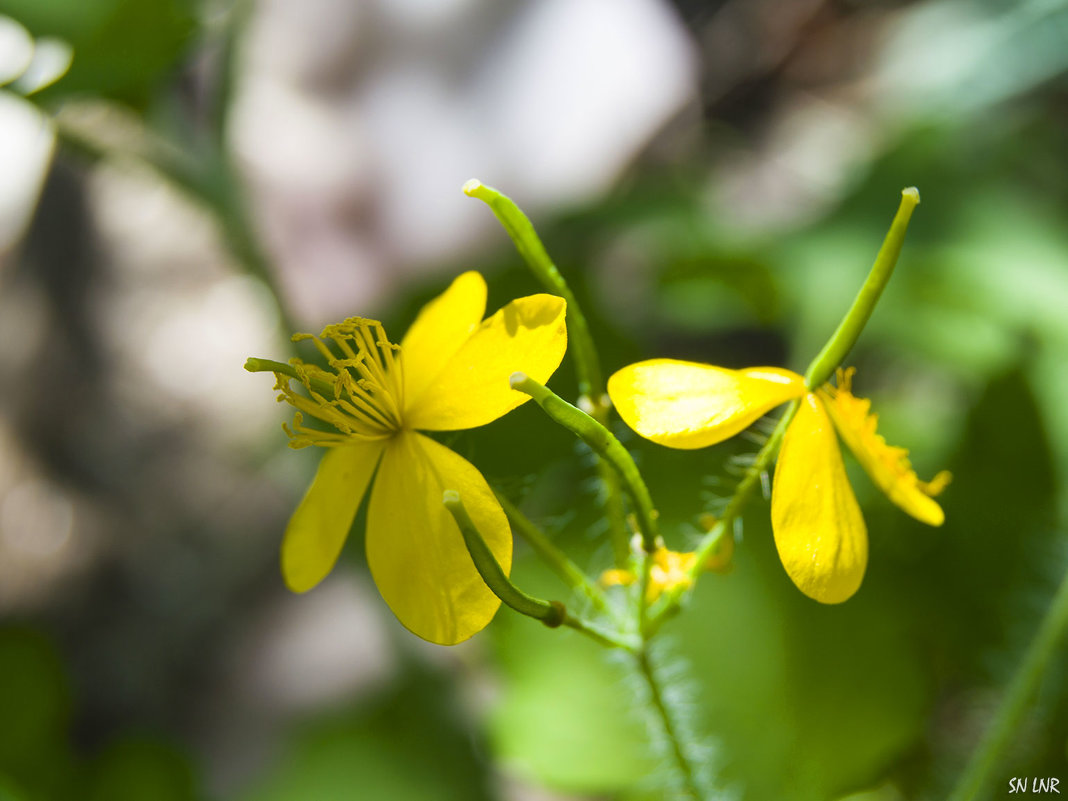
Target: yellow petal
(442, 327)
(528, 335)
(319, 526)
(887, 465)
(414, 548)
(689, 405)
(819, 530)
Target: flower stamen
(365, 381)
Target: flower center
(361, 394)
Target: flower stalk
(591, 386)
(839, 345)
(724, 527)
(551, 613)
(522, 233)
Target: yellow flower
(450, 372)
(819, 531)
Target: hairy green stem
(609, 639)
(603, 443)
(839, 345)
(588, 371)
(687, 772)
(976, 780)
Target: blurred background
(185, 183)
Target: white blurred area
(358, 123)
(47, 533)
(26, 142)
(26, 135)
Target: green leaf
(122, 48)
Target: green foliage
(566, 718)
(410, 746)
(35, 710)
(134, 769)
(123, 49)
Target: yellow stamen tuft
(360, 395)
(669, 570)
(888, 465)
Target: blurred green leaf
(566, 717)
(411, 745)
(139, 769)
(35, 712)
(806, 701)
(122, 48)
(34, 700)
(1000, 513)
(9, 791)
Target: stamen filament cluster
(367, 382)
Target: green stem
(975, 782)
(553, 556)
(551, 613)
(750, 481)
(522, 233)
(603, 443)
(839, 345)
(686, 770)
(588, 371)
(609, 639)
(613, 509)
